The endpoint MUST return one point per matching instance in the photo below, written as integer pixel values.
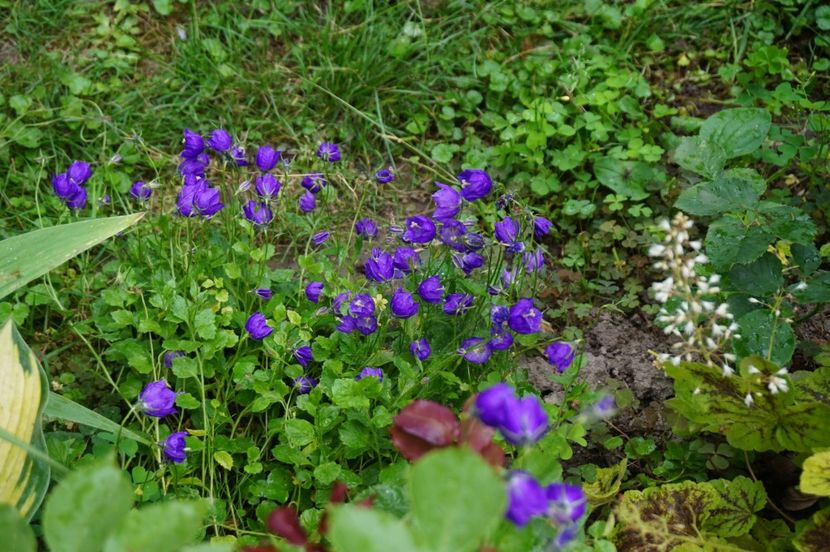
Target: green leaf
(457, 500)
(729, 241)
(163, 7)
(815, 477)
(223, 458)
(85, 508)
(64, 409)
(700, 156)
(627, 178)
(327, 472)
(607, 484)
(737, 131)
(815, 534)
(205, 324)
(17, 535)
(787, 223)
(162, 527)
(356, 529)
(348, 393)
(23, 394)
(299, 432)
(763, 335)
(28, 256)
(734, 514)
(185, 367)
(817, 289)
(719, 196)
(760, 277)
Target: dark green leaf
(719, 196)
(764, 335)
(760, 277)
(728, 242)
(737, 131)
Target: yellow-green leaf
(607, 484)
(223, 458)
(23, 393)
(815, 479)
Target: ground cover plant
(301, 276)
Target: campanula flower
(170, 356)
(366, 228)
(384, 176)
(526, 499)
(420, 349)
(452, 233)
(339, 301)
(77, 200)
(566, 503)
(491, 403)
(503, 201)
(194, 145)
(508, 277)
(468, 262)
(174, 447)
(320, 238)
(475, 350)
(346, 324)
(533, 260)
(561, 355)
(141, 191)
(257, 212)
(566, 534)
(307, 202)
(313, 291)
(524, 421)
(304, 384)
(62, 186)
(220, 140)
(257, 326)
(264, 293)
(303, 355)
(208, 201)
(369, 372)
(314, 182)
(195, 166)
(419, 229)
(473, 241)
(524, 318)
(403, 305)
(362, 305)
(366, 325)
(507, 231)
(499, 314)
(447, 202)
(238, 155)
(267, 158)
(328, 151)
(541, 227)
(406, 259)
(187, 194)
(602, 409)
(431, 290)
(267, 186)
(500, 339)
(79, 172)
(157, 399)
(379, 267)
(475, 184)
(457, 303)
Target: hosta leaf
(815, 479)
(737, 131)
(814, 535)
(607, 484)
(27, 256)
(739, 500)
(23, 394)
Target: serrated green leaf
(765, 335)
(224, 459)
(817, 290)
(700, 156)
(737, 131)
(627, 178)
(758, 278)
(734, 514)
(814, 535)
(729, 242)
(719, 196)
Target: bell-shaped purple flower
(447, 202)
(566, 503)
(561, 355)
(541, 227)
(195, 166)
(475, 350)
(507, 231)
(141, 191)
(452, 234)
(366, 325)
(362, 305)
(77, 200)
(406, 259)
(313, 291)
(328, 151)
(384, 176)
(208, 201)
(303, 355)
(170, 356)
(524, 421)
(403, 305)
(307, 202)
(379, 267)
(320, 238)
(457, 303)
(500, 339)
(431, 290)
(492, 402)
(475, 184)
(419, 229)
(524, 318)
(472, 241)
(194, 144)
(187, 195)
(175, 447)
(369, 372)
(499, 314)
(340, 303)
(304, 384)
(264, 293)
(238, 155)
(468, 262)
(420, 349)
(62, 186)
(220, 140)
(157, 399)
(526, 499)
(267, 186)
(257, 326)
(267, 158)
(79, 172)
(533, 260)
(257, 212)
(314, 182)
(366, 228)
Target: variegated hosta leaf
(23, 393)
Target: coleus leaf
(422, 426)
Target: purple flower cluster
(562, 503)
(521, 421)
(355, 313)
(69, 185)
(158, 400)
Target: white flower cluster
(776, 383)
(690, 311)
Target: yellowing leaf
(23, 393)
(223, 458)
(607, 484)
(815, 479)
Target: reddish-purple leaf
(434, 423)
(410, 447)
(479, 437)
(285, 523)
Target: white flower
(748, 400)
(753, 370)
(777, 384)
(656, 250)
(801, 286)
(727, 370)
